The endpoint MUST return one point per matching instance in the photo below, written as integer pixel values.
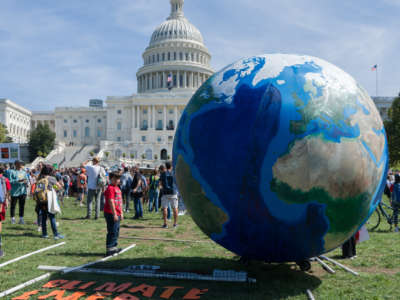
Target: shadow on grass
(139, 226)
(73, 219)
(30, 234)
(274, 281)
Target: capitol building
(175, 64)
(141, 126)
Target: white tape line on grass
(29, 254)
(68, 270)
(23, 285)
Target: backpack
(153, 182)
(65, 179)
(3, 190)
(101, 179)
(168, 184)
(41, 189)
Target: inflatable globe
(280, 157)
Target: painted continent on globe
(280, 157)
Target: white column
(178, 82)
(153, 117)
(165, 117)
(184, 80)
(133, 119)
(165, 79)
(151, 81)
(175, 117)
(191, 79)
(137, 116)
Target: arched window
(164, 154)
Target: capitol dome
(176, 57)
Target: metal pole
(340, 265)
(29, 254)
(325, 266)
(73, 269)
(310, 295)
(23, 285)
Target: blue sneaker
(45, 236)
(58, 237)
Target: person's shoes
(396, 229)
(165, 226)
(80, 204)
(112, 252)
(135, 217)
(175, 225)
(12, 220)
(39, 229)
(58, 237)
(87, 217)
(1, 253)
(96, 217)
(45, 236)
(21, 221)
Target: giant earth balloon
(280, 157)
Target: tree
(91, 153)
(42, 139)
(107, 154)
(392, 127)
(123, 155)
(4, 138)
(155, 156)
(132, 156)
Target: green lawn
(378, 261)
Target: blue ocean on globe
(280, 157)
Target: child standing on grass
(113, 213)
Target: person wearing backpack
(395, 202)
(96, 178)
(81, 184)
(5, 188)
(66, 181)
(45, 184)
(138, 187)
(126, 185)
(170, 194)
(19, 182)
(154, 190)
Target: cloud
(64, 53)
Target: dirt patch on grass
(378, 270)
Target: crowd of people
(107, 191)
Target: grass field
(378, 261)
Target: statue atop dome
(176, 9)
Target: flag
(169, 81)
(374, 68)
